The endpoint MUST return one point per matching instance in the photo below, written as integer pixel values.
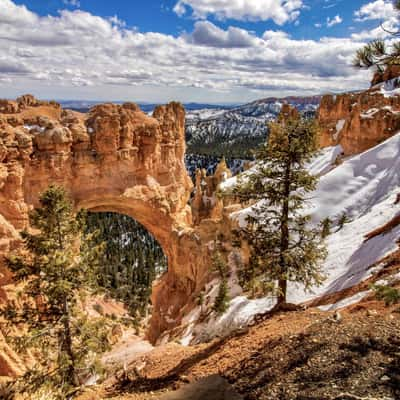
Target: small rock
(185, 379)
(385, 378)
(337, 317)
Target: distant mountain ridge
(234, 132)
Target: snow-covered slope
(235, 131)
(365, 187)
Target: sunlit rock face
(115, 158)
(359, 121)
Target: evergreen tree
(326, 227)
(283, 247)
(222, 300)
(343, 219)
(55, 271)
(131, 261)
(377, 54)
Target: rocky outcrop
(358, 121)
(391, 72)
(206, 203)
(115, 158)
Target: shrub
(388, 294)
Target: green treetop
(284, 247)
(377, 54)
(55, 270)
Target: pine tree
(377, 54)
(55, 270)
(132, 260)
(326, 227)
(343, 219)
(222, 300)
(283, 247)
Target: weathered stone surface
(358, 121)
(391, 72)
(115, 158)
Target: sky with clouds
(214, 51)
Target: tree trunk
(282, 284)
(67, 347)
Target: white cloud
(280, 11)
(77, 54)
(337, 19)
(13, 14)
(207, 34)
(379, 9)
(72, 3)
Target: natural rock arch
(115, 158)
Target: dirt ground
(307, 355)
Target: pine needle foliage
(326, 225)
(377, 54)
(284, 247)
(56, 270)
(221, 302)
(342, 221)
(390, 295)
(132, 259)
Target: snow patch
(391, 88)
(240, 314)
(339, 126)
(348, 301)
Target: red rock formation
(206, 203)
(358, 121)
(392, 71)
(115, 158)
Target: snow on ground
(205, 113)
(319, 165)
(359, 183)
(339, 126)
(391, 87)
(348, 301)
(364, 187)
(325, 160)
(240, 314)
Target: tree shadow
(140, 384)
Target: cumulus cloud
(207, 34)
(280, 11)
(337, 19)
(104, 58)
(379, 9)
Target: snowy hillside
(365, 188)
(234, 132)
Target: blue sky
(158, 16)
(190, 50)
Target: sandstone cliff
(115, 158)
(359, 121)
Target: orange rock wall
(358, 121)
(115, 158)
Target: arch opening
(133, 259)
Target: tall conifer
(284, 247)
(55, 270)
